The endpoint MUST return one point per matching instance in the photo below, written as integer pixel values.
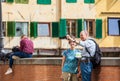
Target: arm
(63, 61)
(70, 38)
(21, 45)
(79, 72)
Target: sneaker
(8, 71)
(15, 57)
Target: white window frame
(70, 24)
(92, 31)
(4, 28)
(20, 29)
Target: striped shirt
(26, 46)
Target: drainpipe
(1, 31)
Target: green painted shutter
(89, 1)
(55, 29)
(79, 27)
(33, 29)
(62, 29)
(10, 1)
(92, 1)
(98, 28)
(10, 28)
(71, 1)
(24, 1)
(47, 2)
(17, 1)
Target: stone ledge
(106, 61)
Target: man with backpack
(89, 48)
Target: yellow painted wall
(60, 9)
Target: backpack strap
(87, 49)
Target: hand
(79, 75)
(61, 76)
(69, 38)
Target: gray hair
(85, 32)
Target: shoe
(15, 57)
(8, 71)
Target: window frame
(70, 28)
(48, 30)
(27, 28)
(94, 27)
(4, 1)
(108, 25)
(4, 28)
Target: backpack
(96, 59)
(5, 56)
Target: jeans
(86, 70)
(19, 54)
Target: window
(114, 26)
(89, 25)
(44, 29)
(3, 0)
(71, 27)
(21, 28)
(4, 28)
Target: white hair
(85, 32)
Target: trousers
(86, 70)
(19, 54)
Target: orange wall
(41, 72)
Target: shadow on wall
(110, 4)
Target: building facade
(47, 21)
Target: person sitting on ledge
(26, 51)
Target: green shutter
(47, 2)
(62, 29)
(17, 1)
(92, 1)
(10, 1)
(79, 27)
(33, 29)
(89, 1)
(98, 28)
(24, 1)
(10, 28)
(55, 29)
(71, 1)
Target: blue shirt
(71, 62)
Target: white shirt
(90, 45)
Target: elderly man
(88, 45)
(26, 51)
